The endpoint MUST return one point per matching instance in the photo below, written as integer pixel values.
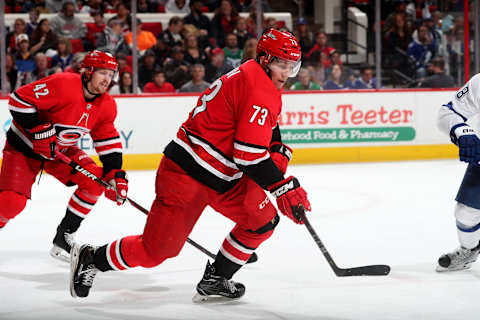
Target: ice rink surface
(398, 213)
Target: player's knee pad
(11, 204)
(269, 226)
(468, 225)
(89, 186)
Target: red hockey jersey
(231, 126)
(59, 99)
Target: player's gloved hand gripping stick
(90, 175)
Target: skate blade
(198, 298)
(74, 255)
(59, 254)
(441, 269)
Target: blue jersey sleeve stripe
(450, 106)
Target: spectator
(162, 52)
(123, 15)
(399, 8)
(397, 39)
(23, 58)
(366, 80)
(193, 54)
(95, 30)
(41, 67)
(147, 68)
(76, 64)
(112, 40)
(176, 69)
(172, 36)
(33, 15)
(39, 6)
(158, 85)
(43, 39)
(144, 6)
(94, 6)
(223, 22)
(320, 49)
(233, 54)
(252, 21)
(197, 84)
(303, 35)
(250, 50)
(197, 18)
(304, 82)
(19, 27)
(335, 79)
(125, 85)
(12, 73)
(421, 50)
(145, 39)
(177, 6)
(218, 65)
(347, 73)
(439, 79)
(242, 33)
(65, 24)
(418, 10)
(64, 55)
(271, 23)
(122, 63)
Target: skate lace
(69, 238)
(88, 275)
(230, 285)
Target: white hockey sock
(468, 225)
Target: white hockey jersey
(464, 105)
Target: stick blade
(373, 270)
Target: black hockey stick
(372, 270)
(90, 175)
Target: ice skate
(82, 270)
(213, 285)
(62, 244)
(460, 259)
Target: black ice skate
(213, 285)
(460, 259)
(62, 244)
(82, 270)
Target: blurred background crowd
(422, 42)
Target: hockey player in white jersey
(452, 120)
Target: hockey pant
(18, 173)
(179, 202)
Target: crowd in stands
(193, 50)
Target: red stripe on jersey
(249, 155)
(235, 252)
(113, 256)
(78, 206)
(18, 104)
(114, 147)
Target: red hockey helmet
(99, 59)
(280, 45)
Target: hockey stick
(372, 270)
(90, 175)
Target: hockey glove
(468, 143)
(281, 155)
(119, 182)
(291, 198)
(44, 140)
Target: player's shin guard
(11, 204)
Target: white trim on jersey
(14, 97)
(75, 211)
(204, 164)
(82, 203)
(107, 142)
(108, 151)
(249, 149)
(231, 257)
(251, 162)
(212, 152)
(21, 135)
(119, 255)
(22, 110)
(237, 246)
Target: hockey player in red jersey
(225, 155)
(53, 114)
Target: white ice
(398, 213)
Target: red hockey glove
(119, 182)
(291, 198)
(44, 140)
(281, 155)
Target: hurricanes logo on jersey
(69, 135)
